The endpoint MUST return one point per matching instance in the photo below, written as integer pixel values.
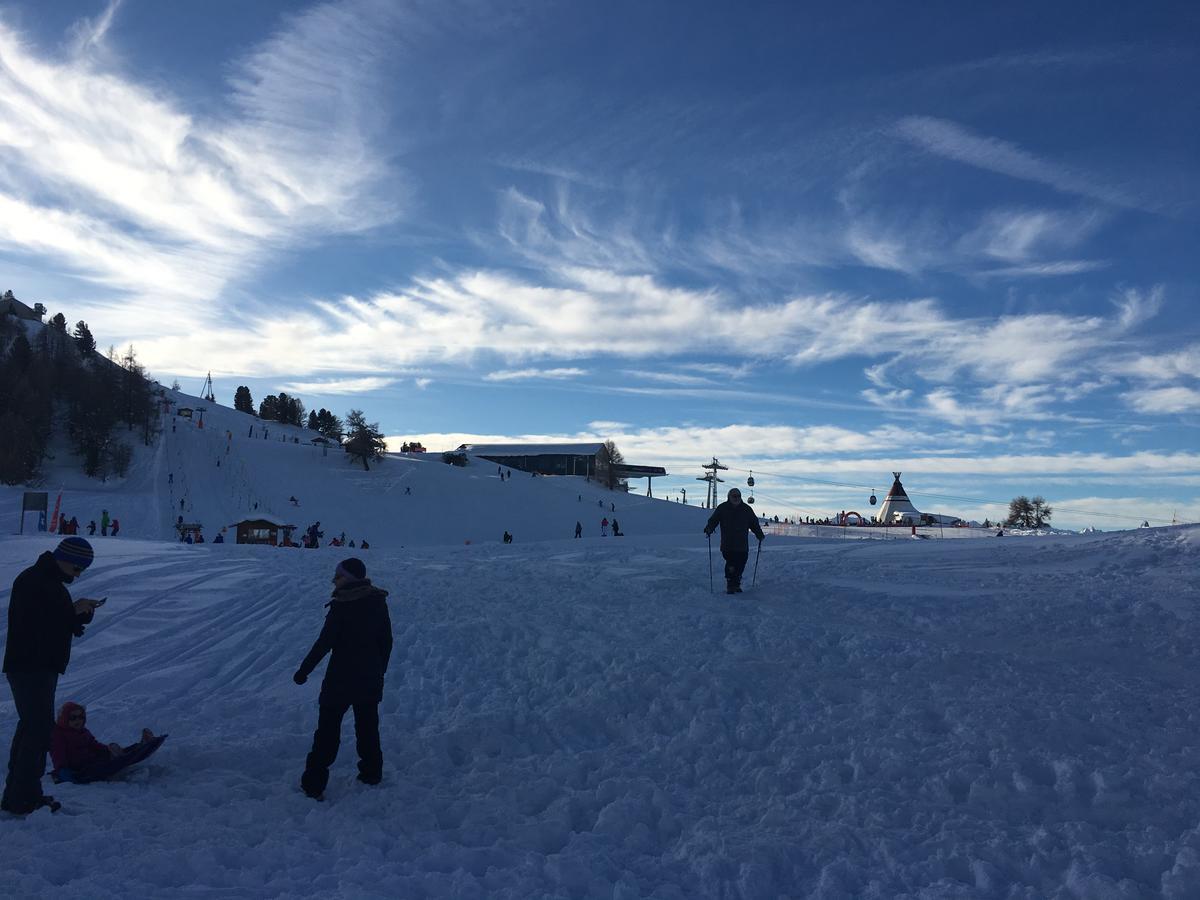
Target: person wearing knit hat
(42, 620)
(358, 638)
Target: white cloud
(952, 141)
(1184, 363)
(525, 374)
(669, 377)
(422, 383)
(1164, 400)
(342, 386)
(122, 185)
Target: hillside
(404, 500)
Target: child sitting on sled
(79, 757)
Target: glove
(299, 677)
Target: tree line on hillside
(55, 382)
(360, 439)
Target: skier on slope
(736, 519)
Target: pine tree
(242, 401)
(313, 424)
(268, 410)
(83, 339)
(364, 441)
(59, 322)
(1020, 512)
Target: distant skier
(408, 489)
(735, 519)
(170, 478)
(74, 526)
(104, 523)
(604, 527)
(1000, 533)
(358, 635)
(219, 539)
(180, 503)
(614, 507)
(364, 545)
(578, 529)
(507, 538)
(616, 529)
(62, 525)
(352, 543)
(293, 501)
(116, 526)
(92, 528)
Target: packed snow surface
(1004, 718)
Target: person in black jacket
(358, 633)
(41, 622)
(736, 520)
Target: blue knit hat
(76, 551)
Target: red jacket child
(72, 746)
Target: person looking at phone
(42, 620)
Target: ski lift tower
(710, 475)
(207, 391)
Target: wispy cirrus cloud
(952, 141)
(341, 386)
(528, 374)
(121, 184)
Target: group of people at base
(736, 520)
(43, 620)
(71, 526)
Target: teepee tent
(897, 507)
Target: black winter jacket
(41, 620)
(358, 633)
(735, 522)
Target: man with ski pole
(736, 519)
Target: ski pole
(754, 580)
(710, 581)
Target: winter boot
(730, 587)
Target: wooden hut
(260, 530)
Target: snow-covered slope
(563, 718)
(404, 500)
(982, 719)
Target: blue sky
(823, 241)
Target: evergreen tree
(1040, 512)
(1020, 512)
(313, 424)
(242, 401)
(83, 339)
(268, 410)
(329, 425)
(364, 440)
(59, 323)
(607, 461)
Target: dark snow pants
(328, 738)
(33, 695)
(735, 565)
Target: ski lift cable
(1056, 506)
